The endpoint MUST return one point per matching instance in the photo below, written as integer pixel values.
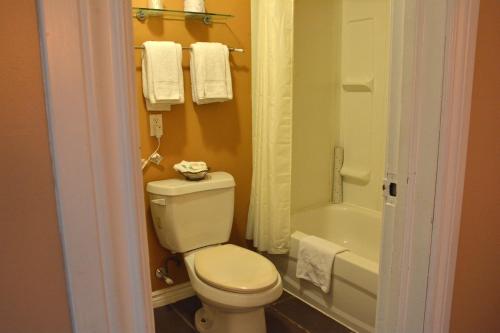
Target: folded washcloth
(194, 167)
(197, 6)
(162, 78)
(315, 261)
(210, 73)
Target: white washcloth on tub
(315, 261)
(210, 73)
(162, 78)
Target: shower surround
(340, 99)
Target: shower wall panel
(315, 100)
(341, 52)
(364, 99)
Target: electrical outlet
(155, 125)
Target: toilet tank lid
(175, 186)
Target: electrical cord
(148, 160)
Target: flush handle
(159, 202)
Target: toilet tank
(191, 214)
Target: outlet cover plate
(155, 125)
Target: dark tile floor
(287, 315)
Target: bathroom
(313, 169)
(331, 116)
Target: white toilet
(233, 283)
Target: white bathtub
(353, 295)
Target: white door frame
(459, 69)
(89, 79)
(93, 128)
(417, 57)
(432, 64)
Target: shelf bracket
(207, 19)
(140, 16)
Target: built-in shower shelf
(359, 175)
(361, 85)
(144, 13)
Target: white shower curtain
(272, 54)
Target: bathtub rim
(341, 206)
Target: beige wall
(32, 284)
(476, 301)
(219, 133)
(316, 85)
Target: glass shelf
(143, 13)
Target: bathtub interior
(356, 228)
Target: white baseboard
(172, 294)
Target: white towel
(162, 78)
(158, 106)
(210, 73)
(197, 6)
(315, 261)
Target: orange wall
(220, 133)
(32, 284)
(476, 301)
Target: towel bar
(231, 49)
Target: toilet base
(211, 319)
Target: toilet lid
(235, 269)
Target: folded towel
(210, 73)
(185, 166)
(197, 6)
(157, 106)
(315, 261)
(145, 91)
(162, 78)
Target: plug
(156, 158)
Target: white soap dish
(194, 175)
(192, 170)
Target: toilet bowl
(233, 283)
(227, 309)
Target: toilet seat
(227, 299)
(235, 269)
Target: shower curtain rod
(232, 49)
